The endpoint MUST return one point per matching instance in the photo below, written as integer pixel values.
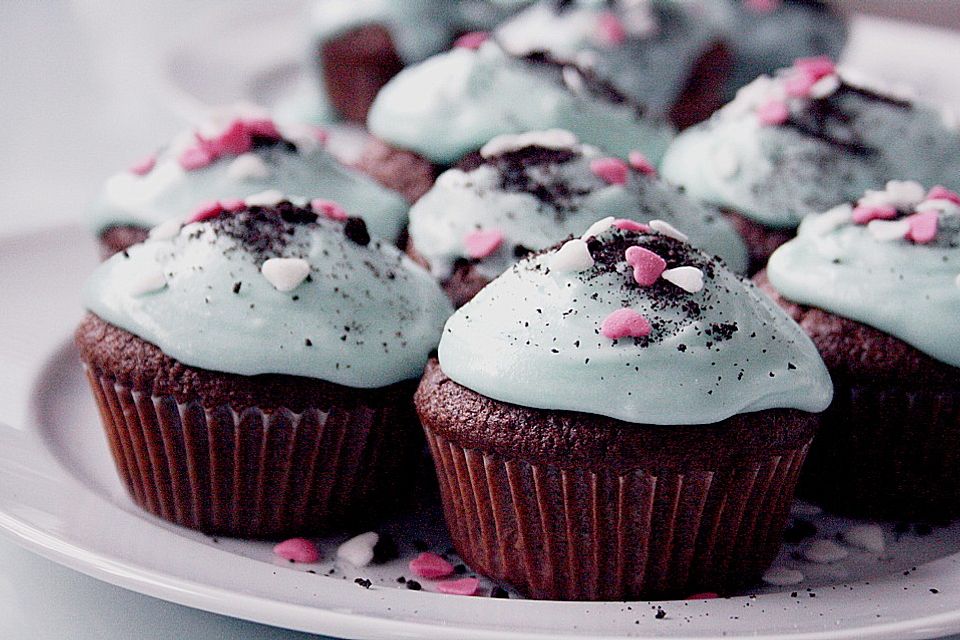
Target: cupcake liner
(887, 452)
(585, 534)
(249, 472)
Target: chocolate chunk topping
(355, 230)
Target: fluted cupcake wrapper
(581, 534)
(250, 472)
(887, 452)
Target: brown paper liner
(584, 534)
(253, 473)
(887, 452)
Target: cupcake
(875, 284)
(770, 34)
(531, 190)
(253, 368)
(803, 141)
(666, 55)
(620, 418)
(454, 103)
(235, 158)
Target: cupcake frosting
(634, 325)
(891, 261)
(455, 102)
(645, 48)
(263, 286)
(235, 158)
(534, 189)
(807, 139)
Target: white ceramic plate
(59, 497)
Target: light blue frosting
(170, 192)
(371, 315)
(776, 175)
(664, 39)
(453, 103)
(532, 338)
(462, 202)
(910, 291)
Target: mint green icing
(777, 174)
(170, 192)
(910, 291)
(532, 338)
(454, 102)
(462, 202)
(371, 315)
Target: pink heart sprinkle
(472, 40)
(235, 140)
(206, 211)
(610, 30)
(610, 170)
(625, 224)
(625, 323)
(194, 158)
(232, 205)
(816, 67)
(431, 566)
(263, 127)
(773, 112)
(144, 166)
(923, 227)
(942, 193)
(461, 587)
(798, 84)
(708, 595)
(481, 244)
(647, 266)
(862, 214)
(640, 163)
(329, 209)
(297, 550)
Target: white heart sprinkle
(358, 550)
(268, 198)
(285, 274)
(165, 230)
(726, 162)
(805, 509)
(782, 576)
(572, 256)
(824, 552)
(904, 194)
(940, 205)
(573, 79)
(690, 279)
(866, 536)
(149, 280)
(667, 229)
(248, 166)
(888, 230)
(825, 86)
(598, 227)
(834, 218)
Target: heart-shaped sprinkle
(297, 550)
(942, 193)
(923, 227)
(234, 140)
(868, 537)
(431, 566)
(773, 112)
(232, 204)
(248, 166)
(609, 30)
(798, 85)
(149, 280)
(598, 227)
(690, 279)
(573, 256)
(824, 552)
(268, 198)
(143, 166)
(665, 228)
(625, 224)
(647, 265)
(358, 550)
(263, 127)
(862, 213)
(625, 323)
(461, 587)
(165, 230)
(886, 231)
(641, 164)
(815, 66)
(610, 170)
(482, 243)
(782, 576)
(195, 157)
(825, 87)
(285, 274)
(472, 40)
(329, 209)
(205, 211)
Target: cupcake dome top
(266, 286)
(891, 261)
(236, 157)
(645, 48)
(635, 325)
(453, 103)
(531, 190)
(809, 138)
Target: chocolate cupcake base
(563, 505)
(704, 90)
(464, 283)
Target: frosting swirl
(275, 289)
(649, 330)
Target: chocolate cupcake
(876, 287)
(454, 103)
(808, 139)
(253, 368)
(531, 190)
(669, 56)
(620, 418)
(234, 158)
